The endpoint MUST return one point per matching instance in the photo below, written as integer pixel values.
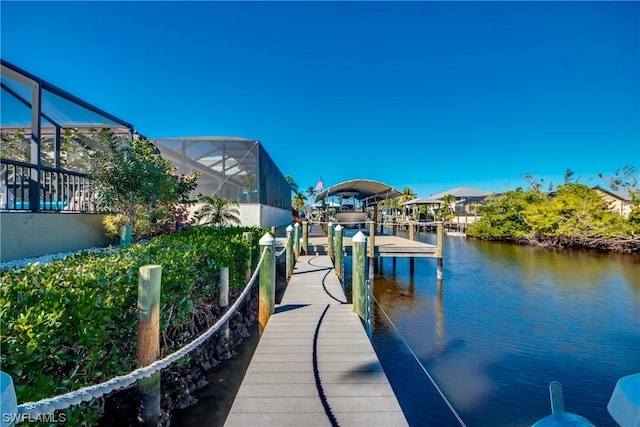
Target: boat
(348, 215)
(350, 219)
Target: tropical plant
(298, 201)
(72, 323)
(15, 145)
(217, 212)
(576, 215)
(179, 211)
(627, 179)
(407, 194)
(132, 179)
(292, 183)
(447, 207)
(311, 191)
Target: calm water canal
(506, 321)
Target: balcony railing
(25, 187)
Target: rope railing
(446, 401)
(64, 401)
(284, 248)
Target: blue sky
(431, 95)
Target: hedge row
(72, 323)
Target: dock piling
(148, 348)
(247, 236)
(359, 274)
(224, 306)
(296, 239)
(339, 258)
(440, 241)
(371, 240)
(305, 237)
(289, 251)
(330, 232)
(267, 281)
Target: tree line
(574, 215)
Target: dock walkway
(314, 364)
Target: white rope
(47, 406)
(285, 246)
(455, 413)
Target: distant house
(466, 199)
(620, 200)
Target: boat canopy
(366, 191)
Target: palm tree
(407, 194)
(217, 212)
(292, 183)
(311, 191)
(298, 201)
(447, 207)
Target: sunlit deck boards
(314, 364)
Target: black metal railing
(24, 187)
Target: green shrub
(72, 323)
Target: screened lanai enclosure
(234, 168)
(229, 167)
(47, 136)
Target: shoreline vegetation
(573, 216)
(72, 322)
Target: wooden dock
(385, 246)
(314, 364)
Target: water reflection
(505, 321)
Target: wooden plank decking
(314, 364)
(386, 246)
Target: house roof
(423, 201)
(619, 194)
(462, 192)
(365, 190)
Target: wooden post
(338, 255)
(273, 231)
(149, 279)
(359, 273)
(289, 251)
(411, 231)
(267, 281)
(125, 236)
(305, 237)
(440, 241)
(395, 228)
(224, 306)
(330, 239)
(247, 236)
(367, 305)
(224, 289)
(296, 239)
(372, 240)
